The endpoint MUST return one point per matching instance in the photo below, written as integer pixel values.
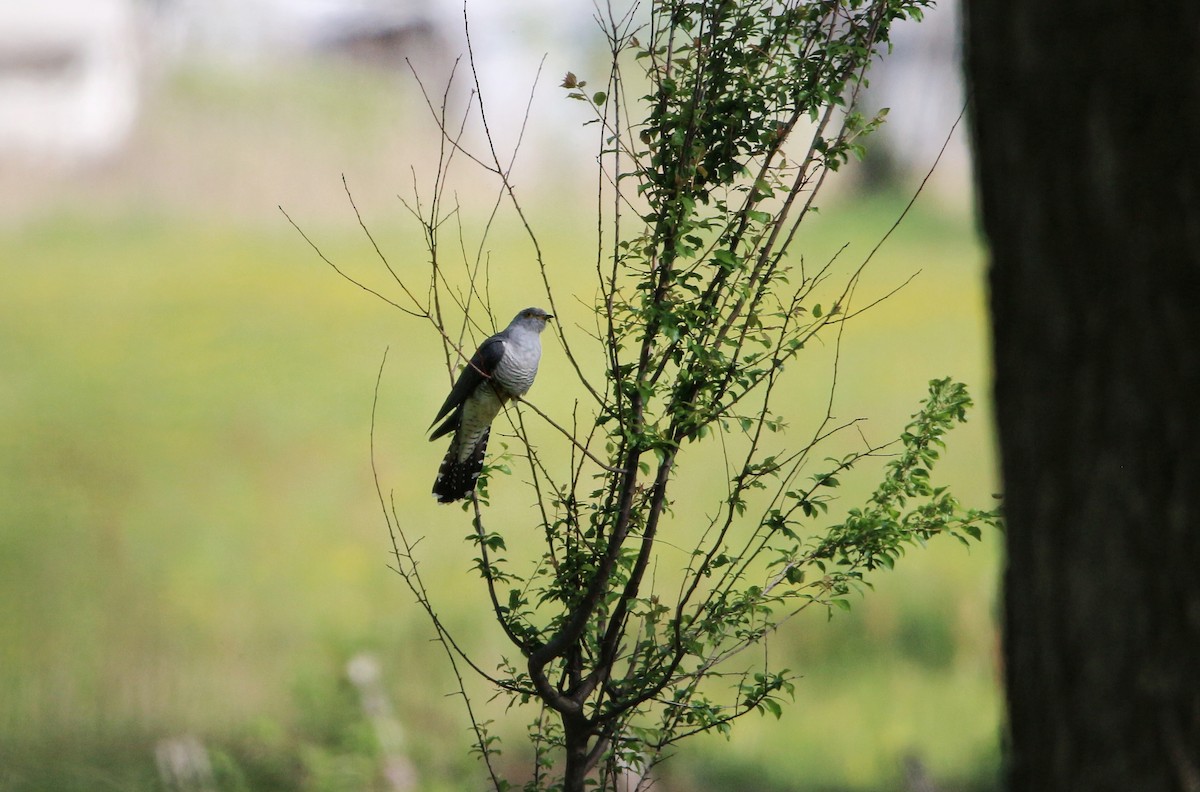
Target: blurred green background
(190, 545)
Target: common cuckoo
(501, 369)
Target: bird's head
(533, 318)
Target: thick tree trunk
(1086, 121)
(576, 732)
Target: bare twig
(414, 313)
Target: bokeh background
(194, 580)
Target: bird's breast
(518, 367)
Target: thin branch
(568, 435)
(375, 245)
(414, 313)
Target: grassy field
(189, 536)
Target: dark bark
(576, 731)
(1086, 123)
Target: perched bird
(501, 369)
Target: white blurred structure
(252, 30)
(366, 673)
(184, 765)
(68, 77)
(72, 72)
(920, 80)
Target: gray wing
(480, 368)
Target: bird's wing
(477, 370)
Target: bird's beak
(549, 317)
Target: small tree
(742, 109)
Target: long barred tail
(455, 479)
